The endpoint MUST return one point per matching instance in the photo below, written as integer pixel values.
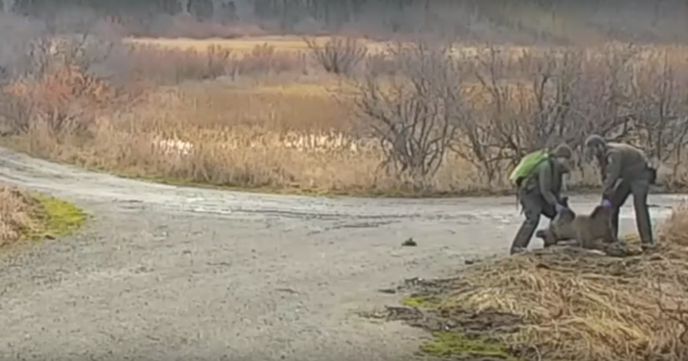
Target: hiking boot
(518, 250)
(648, 247)
(617, 249)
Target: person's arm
(613, 172)
(545, 181)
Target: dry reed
(18, 215)
(579, 306)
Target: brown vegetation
(19, 215)
(342, 116)
(569, 304)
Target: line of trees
(638, 18)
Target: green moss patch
(457, 344)
(60, 218)
(456, 333)
(427, 302)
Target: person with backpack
(539, 178)
(625, 171)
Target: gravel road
(164, 272)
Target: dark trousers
(639, 188)
(533, 205)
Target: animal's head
(559, 228)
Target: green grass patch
(427, 302)
(60, 218)
(457, 344)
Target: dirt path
(166, 272)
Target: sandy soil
(164, 272)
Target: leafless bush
(339, 55)
(559, 96)
(498, 107)
(20, 35)
(176, 65)
(660, 109)
(170, 65)
(59, 74)
(264, 58)
(415, 113)
(380, 64)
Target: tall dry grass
(256, 116)
(18, 215)
(578, 306)
(265, 138)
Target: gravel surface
(163, 272)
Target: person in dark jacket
(625, 171)
(540, 194)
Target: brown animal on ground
(594, 231)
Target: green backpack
(528, 165)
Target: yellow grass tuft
(17, 215)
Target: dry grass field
(265, 113)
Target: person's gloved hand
(606, 203)
(559, 208)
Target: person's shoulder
(627, 149)
(615, 148)
(545, 165)
(622, 146)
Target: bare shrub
(65, 100)
(168, 65)
(15, 49)
(414, 114)
(500, 106)
(218, 60)
(547, 97)
(264, 58)
(339, 55)
(660, 110)
(380, 64)
(164, 65)
(66, 73)
(561, 98)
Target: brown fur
(592, 231)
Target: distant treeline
(639, 17)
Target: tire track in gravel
(165, 272)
